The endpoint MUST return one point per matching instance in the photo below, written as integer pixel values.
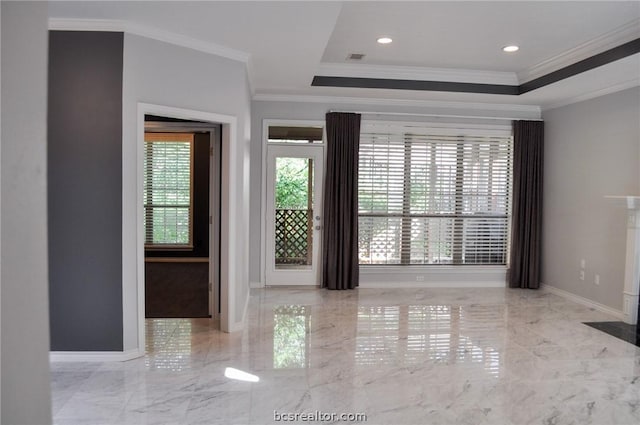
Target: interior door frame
(266, 123)
(228, 216)
(215, 213)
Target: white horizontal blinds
(168, 163)
(433, 196)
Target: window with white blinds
(168, 164)
(434, 195)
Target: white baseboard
(94, 356)
(256, 285)
(582, 300)
(245, 310)
(430, 284)
(238, 326)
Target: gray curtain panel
(340, 235)
(528, 152)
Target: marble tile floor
(402, 356)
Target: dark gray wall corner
(85, 190)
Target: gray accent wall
(26, 395)
(85, 190)
(592, 149)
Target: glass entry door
(294, 214)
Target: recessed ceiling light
(510, 49)
(384, 40)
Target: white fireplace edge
(631, 291)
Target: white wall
(26, 394)
(0, 213)
(164, 74)
(284, 110)
(592, 149)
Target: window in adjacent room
(434, 195)
(168, 198)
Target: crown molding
(623, 34)
(593, 94)
(417, 73)
(533, 111)
(148, 32)
(107, 25)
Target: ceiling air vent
(355, 56)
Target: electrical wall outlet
(581, 274)
(420, 278)
(596, 279)
(583, 263)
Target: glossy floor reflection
(408, 356)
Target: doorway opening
(181, 195)
(294, 166)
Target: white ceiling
(470, 35)
(287, 43)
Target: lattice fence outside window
(293, 236)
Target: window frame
(449, 129)
(292, 142)
(182, 137)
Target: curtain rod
(439, 115)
